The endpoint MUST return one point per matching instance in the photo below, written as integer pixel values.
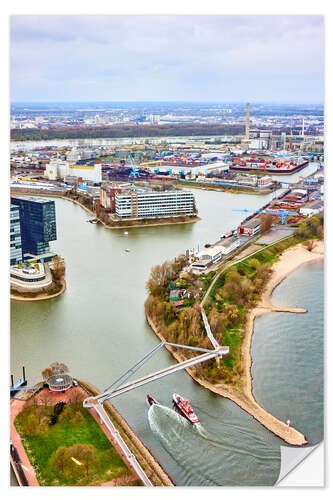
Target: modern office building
(133, 204)
(16, 255)
(38, 226)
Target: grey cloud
(166, 56)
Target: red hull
(185, 408)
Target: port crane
(281, 213)
(135, 169)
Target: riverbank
(289, 261)
(232, 189)
(122, 224)
(39, 296)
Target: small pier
(15, 387)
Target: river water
(98, 329)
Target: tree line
(119, 131)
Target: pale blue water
(287, 351)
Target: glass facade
(37, 223)
(15, 236)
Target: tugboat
(151, 401)
(185, 408)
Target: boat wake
(198, 451)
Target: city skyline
(167, 58)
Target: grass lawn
(83, 429)
(232, 337)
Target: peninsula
(233, 297)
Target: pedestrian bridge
(119, 386)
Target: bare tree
(159, 275)
(57, 367)
(58, 267)
(266, 221)
(46, 373)
(76, 397)
(309, 245)
(54, 369)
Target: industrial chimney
(247, 125)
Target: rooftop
(255, 222)
(35, 199)
(228, 242)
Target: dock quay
(15, 387)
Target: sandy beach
(289, 261)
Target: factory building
(312, 209)
(91, 172)
(56, 169)
(59, 169)
(265, 181)
(207, 257)
(229, 245)
(250, 227)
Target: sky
(168, 58)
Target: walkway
(16, 407)
(114, 436)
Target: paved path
(16, 407)
(114, 436)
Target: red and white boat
(185, 408)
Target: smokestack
(283, 135)
(247, 124)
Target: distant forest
(126, 131)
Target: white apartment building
(152, 204)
